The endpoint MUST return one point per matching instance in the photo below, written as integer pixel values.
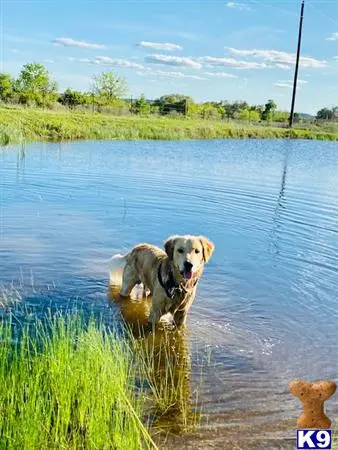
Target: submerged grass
(27, 125)
(164, 363)
(67, 385)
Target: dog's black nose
(187, 266)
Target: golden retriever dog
(170, 276)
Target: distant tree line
(328, 114)
(34, 87)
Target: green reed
(68, 385)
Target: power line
(273, 6)
(335, 22)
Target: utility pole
(297, 65)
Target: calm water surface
(266, 309)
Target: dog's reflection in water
(165, 364)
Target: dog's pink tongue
(187, 275)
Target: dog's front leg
(154, 316)
(180, 318)
(157, 308)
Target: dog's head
(189, 253)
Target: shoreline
(32, 125)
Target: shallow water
(266, 309)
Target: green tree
(72, 98)
(154, 109)
(34, 85)
(194, 110)
(174, 98)
(255, 114)
(259, 109)
(227, 109)
(296, 117)
(283, 116)
(248, 114)
(209, 111)
(327, 114)
(141, 106)
(173, 103)
(108, 87)
(232, 110)
(6, 87)
(270, 108)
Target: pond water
(266, 309)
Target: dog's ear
(169, 246)
(208, 248)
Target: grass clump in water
(67, 385)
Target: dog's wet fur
(169, 276)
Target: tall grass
(67, 385)
(27, 125)
(70, 383)
(9, 297)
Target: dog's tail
(116, 267)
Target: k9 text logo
(314, 439)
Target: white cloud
(70, 58)
(278, 57)
(302, 82)
(283, 85)
(283, 66)
(106, 61)
(179, 61)
(164, 74)
(49, 61)
(213, 61)
(69, 42)
(160, 46)
(236, 5)
(15, 50)
(333, 37)
(220, 74)
(288, 84)
(335, 58)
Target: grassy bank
(28, 125)
(68, 386)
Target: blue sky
(211, 50)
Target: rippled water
(266, 309)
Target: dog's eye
(180, 250)
(197, 251)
